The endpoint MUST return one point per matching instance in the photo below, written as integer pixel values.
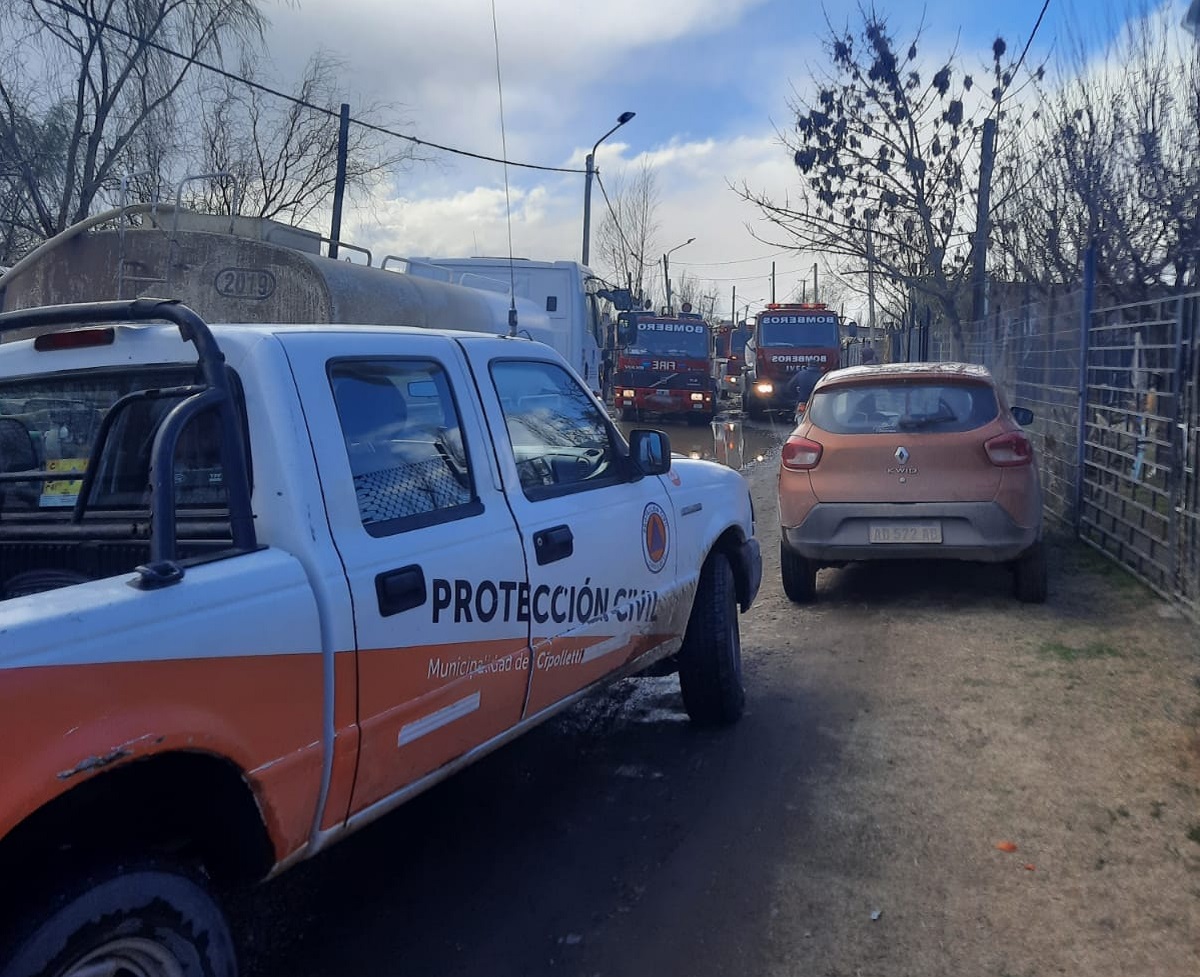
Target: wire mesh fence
(1116, 397)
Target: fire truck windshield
(671, 339)
(737, 342)
(796, 330)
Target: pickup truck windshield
(671, 339)
(50, 424)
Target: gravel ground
(901, 734)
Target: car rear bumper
(975, 531)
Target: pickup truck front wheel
(139, 922)
(710, 661)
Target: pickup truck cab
(260, 584)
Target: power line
(1032, 35)
(105, 25)
(735, 261)
(752, 278)
(612, 213)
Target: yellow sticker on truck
(63, 492)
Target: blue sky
(709, 80)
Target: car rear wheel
(127, 921)
(710, 661)
(799, 575)
(1029, 575)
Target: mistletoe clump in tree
(888, 155)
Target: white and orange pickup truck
(260, 584)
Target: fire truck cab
(786, 338)
(664, 365)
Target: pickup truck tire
(133, 922)
(710, 661)
(1029, 575)
(799, 575)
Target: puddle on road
(727, 439)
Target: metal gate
(1138, 493)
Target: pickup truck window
(404, 443)
(560, 438)
(51, 423)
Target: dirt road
(896, 733)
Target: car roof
(907, 371)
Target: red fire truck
(731, 358)
(664, 366)
(786, 338)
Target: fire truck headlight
(765, 388)
(627, 393)
(697, 398)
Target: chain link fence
(1116, 395)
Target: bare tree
(687, 288)
(43, 143)
(887, 154)
(91, 79)
(283, 153)
(1113, 158)
(626, 239)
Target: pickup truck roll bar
(214, 393)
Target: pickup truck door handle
(553, 544)
(400, 590)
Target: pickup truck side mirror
(1022, 415)
(650, 451)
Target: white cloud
(568, 71)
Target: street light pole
(667, 268)
(590, 170)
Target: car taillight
(1009, 450)
(800, 454)
(75, 339)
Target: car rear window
(882, 407)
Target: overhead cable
(105, 25)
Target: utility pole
(815, 299)
(339, 181)
(589, 168)
(870, 283)
(772, 281)
(987, 156)
(733, 305)
(666, 267)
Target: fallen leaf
(1008, 846)
(1029, 867)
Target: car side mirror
(1022, 415)
(651, 451)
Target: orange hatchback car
(910, 461)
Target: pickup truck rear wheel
(799, 575)
(710, 661)
(127, 922)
